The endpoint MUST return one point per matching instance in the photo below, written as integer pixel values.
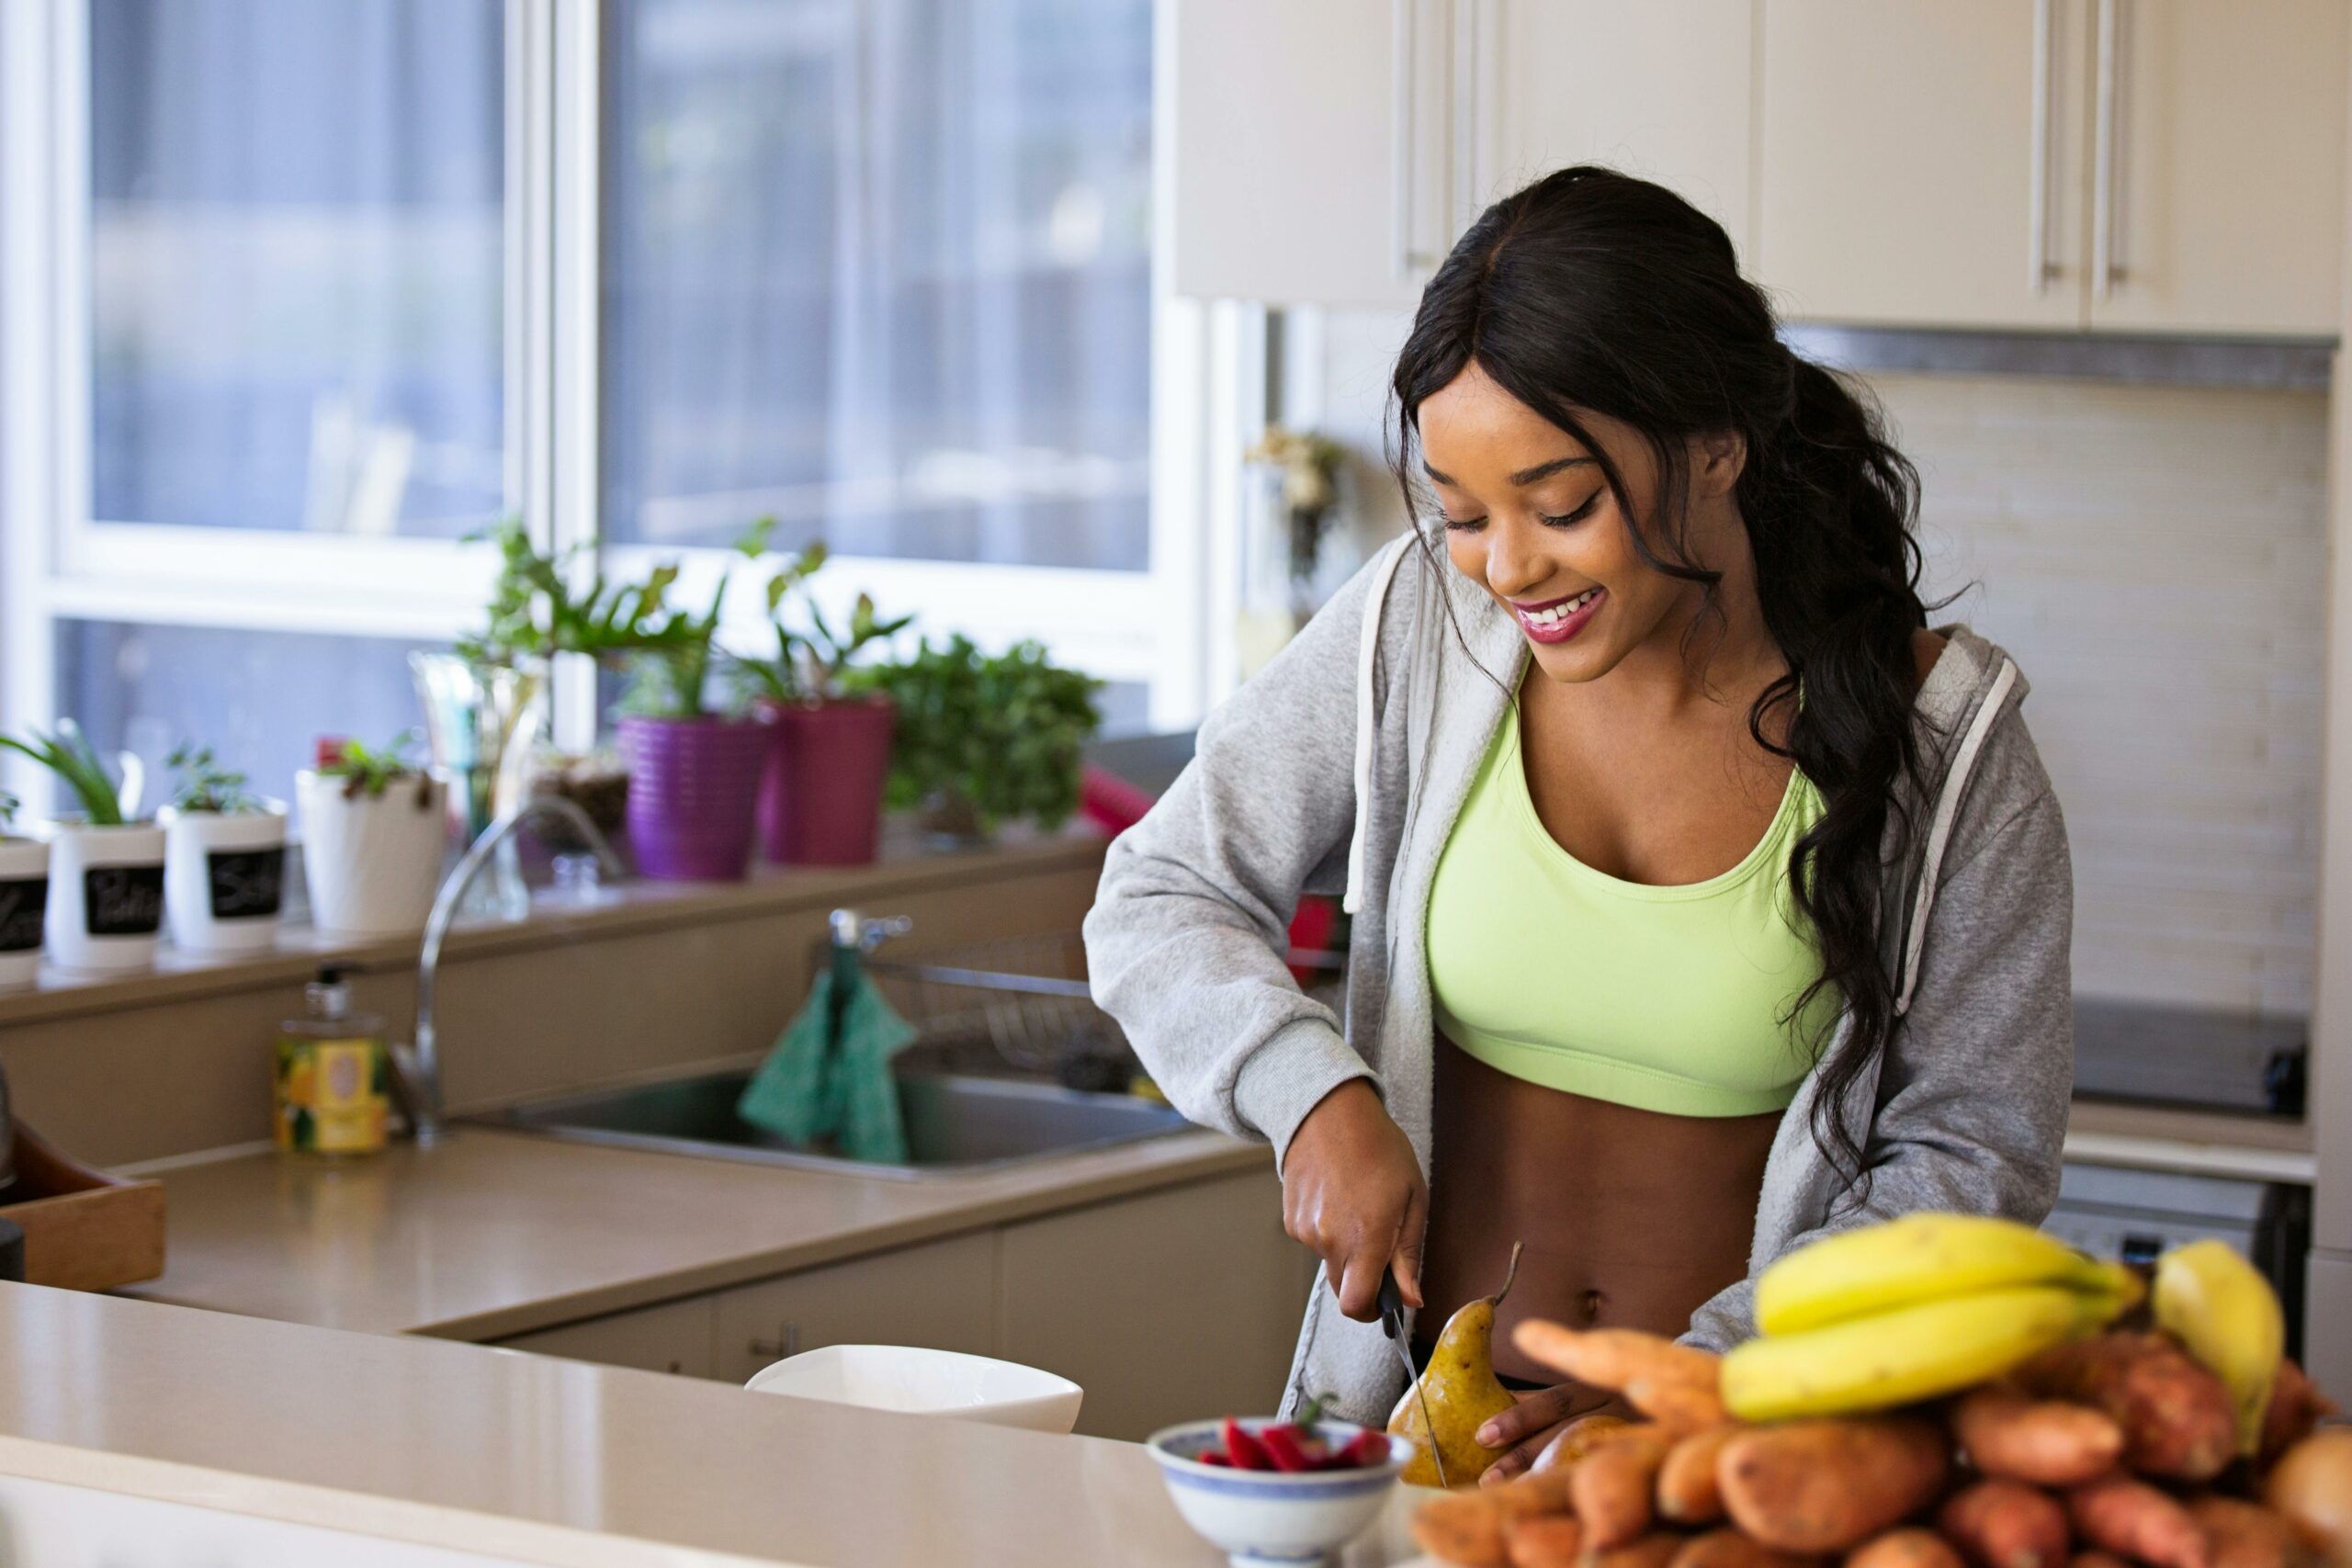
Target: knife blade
(1392, 1323)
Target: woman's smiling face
(1530, 518)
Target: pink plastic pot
(820, 803)
(693, 786)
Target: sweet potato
(2246, 1535)
(2310, 1486)
(1999, 1523)
(2132, 1518)
(1726, 1547)
(2097, 1559)
(1653, 1550)
(1464, 1528)
(1615, 1358)
(1554, 1540)
(1581, 1438)
(2297, 1407)
(2049, 1442)
(1818, 1486)
(1611, 1487)
(1685, 1407)
(2175, 1414)
(1907, 1548)
(1687, 1493)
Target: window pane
(296, 215)
(259, 699)
(880, 267)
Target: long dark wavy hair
(1591, 292)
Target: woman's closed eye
(1567, 518)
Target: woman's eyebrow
(1523, 477)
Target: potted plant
(820, 800)
(371, 838)
(225, 857)
(981, 739)
(694, 769)
(24, 899)
(106, 867)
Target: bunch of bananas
(1917, 1307)
(2225, 1313)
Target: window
(299, 296)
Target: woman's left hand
(1530, 1427)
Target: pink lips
(1561, 630)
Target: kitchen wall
(2154, 557)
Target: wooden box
(83, 1230)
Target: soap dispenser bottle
(333, 1075)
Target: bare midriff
(1630, 1218)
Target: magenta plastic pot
(694, 784)
(821, 801)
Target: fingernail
(1488, 1435)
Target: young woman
(1703, 899)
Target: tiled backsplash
(2154, 558)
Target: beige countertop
(492, 1233)
(552, 1461)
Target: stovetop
(2153, 1053)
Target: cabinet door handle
(785, 1345)
(2039, 268)
(2107, 256)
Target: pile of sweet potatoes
(2114, 1450)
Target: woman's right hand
(1352, 1193)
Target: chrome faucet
(420, 1064)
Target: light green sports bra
(1664, 998)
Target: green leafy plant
(670, 678)
(371, 770)
(205, 785)
(808, 666)
(994, 737)
(536, 611)
(67, 755)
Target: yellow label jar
(334, 1076)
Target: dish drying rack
(1018, 1002)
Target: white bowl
(1264, 1516)
(928, 1383)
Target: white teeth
(1560, 611)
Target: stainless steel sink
(956, 1126)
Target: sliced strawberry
(1212, 1456)
(1243, 1451)
(1291, 1450)
(1362, 1451)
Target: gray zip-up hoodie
(1341, 768)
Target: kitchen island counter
(531, 1459)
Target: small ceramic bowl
(1263, 1517)
(928, 1383)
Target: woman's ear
(1717, 461)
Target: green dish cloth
(804, 1092)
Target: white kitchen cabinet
(1662, 90)
(940, 1296)
(1311, 144)
(2221, 209)
(1165, 1308)
(1921, 161)
(674, 1336)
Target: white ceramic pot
(372, 863)
(106, 896)
(224, 876)
(928, 1383)
(24, 899)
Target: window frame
(59, 562)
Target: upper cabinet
(2129, 165)
(2221, 205)
(1311, 148)
(1662, 90)
(1913, 164)
(2151, 165)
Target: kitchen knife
(1392, 1323)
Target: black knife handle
(1392, 1304)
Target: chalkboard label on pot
(246, 885)
(23, 902)
(122, 900)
